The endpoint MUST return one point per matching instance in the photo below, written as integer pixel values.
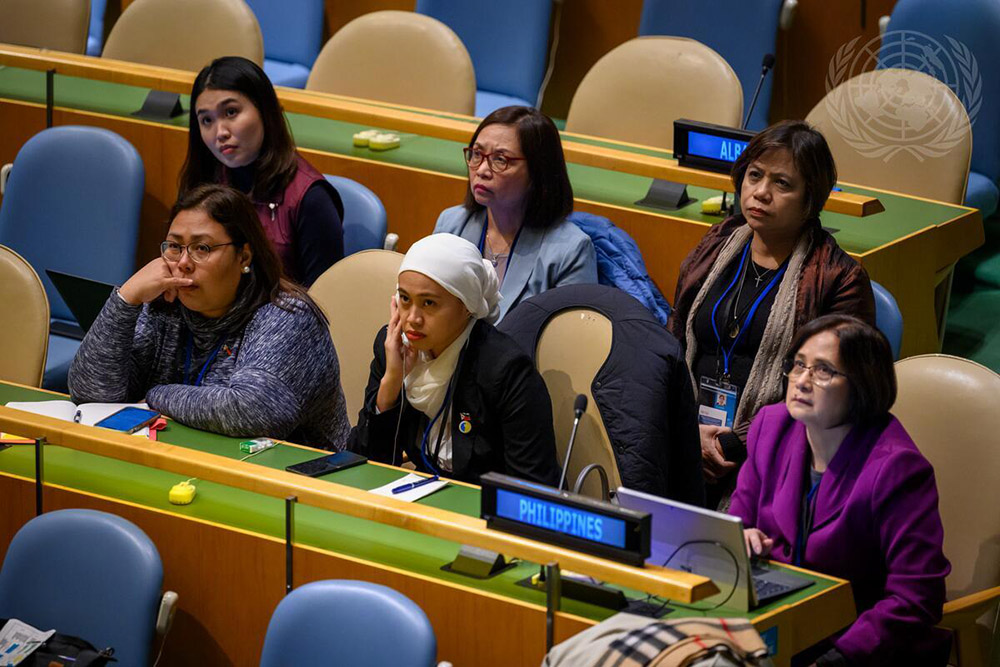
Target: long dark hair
(810, 153)
(266, 282)
(275, 166)
(866, 360)
(550, 195)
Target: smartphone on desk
(325, 465)
(129, 420)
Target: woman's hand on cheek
(398, 358)
(151, 281)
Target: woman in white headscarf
(448, 389)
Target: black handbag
(67, 651)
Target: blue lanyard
(800, 542)
(482, 241)
(727, 354)
(427, 433)
(204, 369)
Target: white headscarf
(458, 267)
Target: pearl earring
(246, 269)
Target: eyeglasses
(822, 375)
(198, 252)
(498, 162)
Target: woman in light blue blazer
(516, 206)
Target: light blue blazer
(543, 258)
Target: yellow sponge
(182, 493)
(362, 138)
(712, 206)
(383, 142)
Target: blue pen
(412, 485)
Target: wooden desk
(224, 555)
(904, 247)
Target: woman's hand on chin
(151, 281)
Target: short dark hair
(810, 153)
(275, 166)
(550, 195)
(235, 212)
(866, 360)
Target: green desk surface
(366, 540)
(902, 217)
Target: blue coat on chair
(543, 258)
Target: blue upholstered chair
(293, 36)
(960, 30)
(364, 216)
(95, 35)
(72, 204)
(888, 319)
(85, 573)
(508, 71)
(741, 32)
(348, 623)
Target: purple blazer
(876, 524)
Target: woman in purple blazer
(834, 483)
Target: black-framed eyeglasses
(498, 162)
(198, 252)
(822, 375)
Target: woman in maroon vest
(238, 136)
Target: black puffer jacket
(643, 390)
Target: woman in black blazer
(448, 389)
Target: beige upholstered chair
(354, 293)
(185, 34)
(401, 57)
(60, 25)
(571, 350)
(898, 130)
(949, 407)
(24, 335)
(637, 90)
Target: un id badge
(716, 402)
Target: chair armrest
(165, 616)
(965, 610)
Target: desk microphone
(579, 407)
(766, 66)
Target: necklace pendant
(733, 330)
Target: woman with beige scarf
(753, 281)
(448, 389)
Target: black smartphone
(129, 420)
(324, 465)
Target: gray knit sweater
(278, 377)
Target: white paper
(18, 640)
(412, 494)
(90, 413)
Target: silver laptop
(711, 544)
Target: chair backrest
(354, 293)
(888, 319)
(25, 331)
(72, 204)
(638, 89)
(399, 57)
(571, 349)
(346, 623)
(185, 34)
(516, 68)
(95, 33)
(364, 216)
(958, 46)
(292, 29)
(60, 25)
(741, 32)
(865, 117)
(85, 573)
(949, 407)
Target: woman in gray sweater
(213, 336)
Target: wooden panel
(339, 13)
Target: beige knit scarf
(764, 383)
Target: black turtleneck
(318, 230)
